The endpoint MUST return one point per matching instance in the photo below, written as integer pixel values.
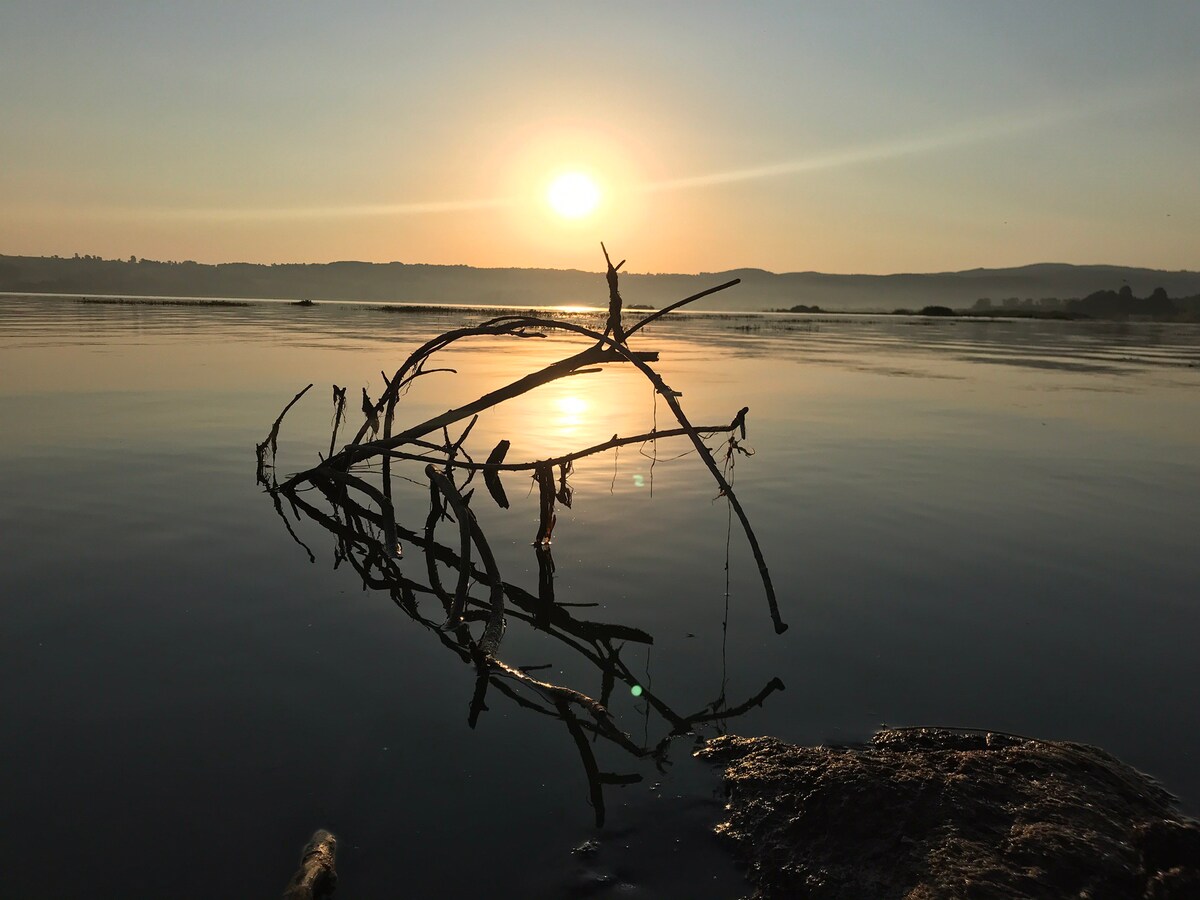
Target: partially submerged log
(316, 878)
(920, 814)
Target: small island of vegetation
(799, 308)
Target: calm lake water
(986, 524)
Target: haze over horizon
(936, 137)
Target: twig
(339, 415)
(317, 876)
(272, 438)
(613, 326)
(611, 443)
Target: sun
(573, 195)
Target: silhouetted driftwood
(609, 347)
(368, 535)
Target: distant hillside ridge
(398, 282)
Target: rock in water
(925, 814)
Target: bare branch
(674, 306)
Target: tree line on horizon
(1105, 304)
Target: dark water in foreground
(971, 524)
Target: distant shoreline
(402, 283)
(811, 315)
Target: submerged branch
(271, 441)
(532, 465)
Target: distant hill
(420, 283)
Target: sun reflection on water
(571, 410)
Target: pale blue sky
(868, 137)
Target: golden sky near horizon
(871, 138)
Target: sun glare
(571, 416)
(573, 195)
(572, 406)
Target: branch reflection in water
(356, 487)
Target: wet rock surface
(931, 813)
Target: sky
(800, 136)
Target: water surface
(987, 524)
